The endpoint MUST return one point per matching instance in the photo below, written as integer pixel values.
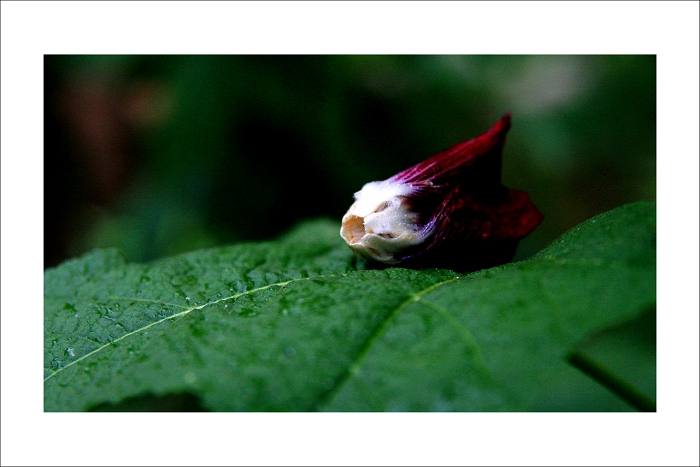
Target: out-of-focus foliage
(157, 155)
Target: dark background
(158, 155)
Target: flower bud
(449, 211)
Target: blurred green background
(158, 155)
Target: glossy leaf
(297, 325)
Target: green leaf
(297, 325)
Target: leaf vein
(464, 333)
(170, 317)
(354, 368)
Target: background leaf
(297, 325)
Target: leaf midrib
(173, 316)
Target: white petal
(381, 224)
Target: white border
(31, 29)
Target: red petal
(517, 217)
(473, 232)
(464, 217)
(486, 149)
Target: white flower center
(381, 224)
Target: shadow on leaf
(178, 402)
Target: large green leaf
(298, 325)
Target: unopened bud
(448, 211)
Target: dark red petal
(474, 232)
(452, 162)
(515, 218)
(465, 216)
